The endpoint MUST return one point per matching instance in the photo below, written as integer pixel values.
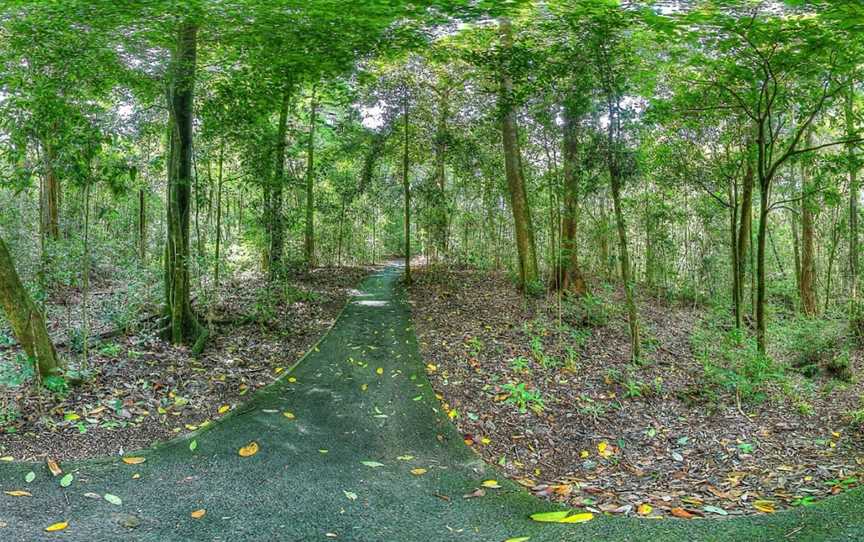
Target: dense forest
(599, 209)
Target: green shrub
(524, 398)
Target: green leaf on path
(30, 477)
(113, 499)
(193, 445)
(372, 464)
(66, 481)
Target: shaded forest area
(629, 230)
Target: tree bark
(277, 237)
(808, 252)
(406, 188)
(525, 245)
(856, 315)
(309, 245)
(25, 318)
(569, 277)
(743, 240)
(183, 326)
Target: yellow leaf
(584, 453)
(765, 506)
(431, 368)
(278, 370)
(18, 493)
(485, 440)
(364, 387)
(452, 414)
(491, 484)
(56, 527)
(249, 450)
(518, 539)
(418, 472)
(380, 370)
(289, 415)
(292, 379)
(134, 460)
(7, 458)
(562, 516)
(198, 514)
(604, 449)
(644, 509)
(191, 427)
(224, 408)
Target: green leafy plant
(524, 398)
(520, 364)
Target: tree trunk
(51, 217)
(808, 252)
(856, 315)
(743, 240)
(624, 255)
(406, 187)
(309, 244)
(570, 276)
(277, 237)
(528, 272)
(217, 255)
(142, 226)
(25, 318)
(183, 326)
(760, 268)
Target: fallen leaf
(603, 449)
(418, 472)
(18, 493)
(7, 458)
(479, 492)
(134, 460)
(113, 499)
(66, 481)
(249, 450)
(681, 513)
(30, 477)
(491, 484)
(715, 510)
(644, 509)
(193, 445)
(351, 496)
(224, 408)
(768, 507)
(518, 539)
(405, 457)
(57, 527)
(372, 464)
(380, 370)
(289, 415)
(562, 516)
(198, 514)
(54, 467)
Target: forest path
(308, 480)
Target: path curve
(308, 481)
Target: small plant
(56, 385)
(633, 388)
(520, 364)
(296, 295)
(8, 416)
(746, 448)
(804, 408)
(571, 359)
(475, 346)
(524, 398)
(110, 350)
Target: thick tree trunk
(525, 245)
(808, 252)
(25, 318)
(277, 237)
(183, 326)
(570, 276)
(309, 244)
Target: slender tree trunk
(309, 244)
(24, 316)
(525, 245)
(760, 268)
(51, 217)
(796, 249)
(613, 141)
(570, 275)
(736, 265)
(277, 237)
(183, 326)
(856, 315)
(142, 226)
(743, 240)
(217, 255)
(406, 188)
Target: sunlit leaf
(249, 450)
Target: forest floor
(551, 398)
(138, 389)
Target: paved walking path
(308, 481)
